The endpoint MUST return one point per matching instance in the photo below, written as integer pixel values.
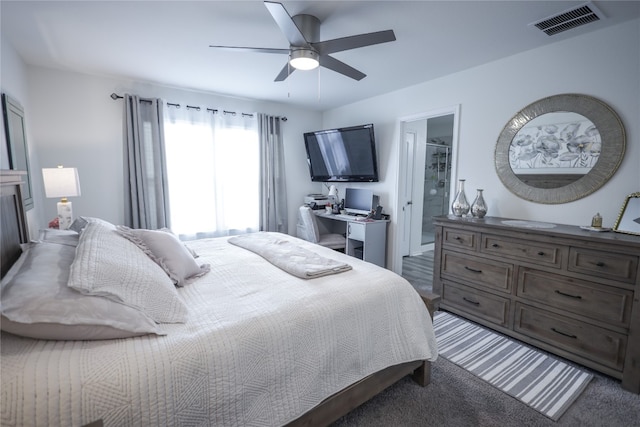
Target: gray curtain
(146, 196)
(273, 191)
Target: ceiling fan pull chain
(318, 85)
(288, 73)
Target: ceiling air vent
(569, 19)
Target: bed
(246, 343)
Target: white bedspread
(260, 347)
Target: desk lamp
(333, 194)
(62, 182)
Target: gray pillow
(108, 265)
(62, 237)
(79, 224)
(165, 249)
(37, 303)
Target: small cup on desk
(343, 212)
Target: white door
(419, 205)
(409, 145)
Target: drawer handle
(600, 264)
(495, 245)
(564, 334)
(541, 253)
(473, 269)
(458, 238)
(470, 301)
(568, 295)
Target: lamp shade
(61, 182)
(304, 59)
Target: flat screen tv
(342, 155)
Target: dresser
(569, 291)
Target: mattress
(260, 347)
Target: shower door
(437, 175)
(428, 177)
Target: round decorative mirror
(560, 148)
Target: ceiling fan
(306, 51)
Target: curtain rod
(115, 96)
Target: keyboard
(351, 217)
(345, 216)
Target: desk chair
(308, 230)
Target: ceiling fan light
(304, 59)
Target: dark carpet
(458, 398)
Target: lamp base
(65, 215)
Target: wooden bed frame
(14, 230)
(13, 222)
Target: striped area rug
(544, 383)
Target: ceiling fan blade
(340, 67)
(251, 49)
(286, 24)
(284, 73)
(352, 42)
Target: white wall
(74, 122)
(604, 64)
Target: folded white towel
(289, 256)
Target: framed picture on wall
(17, 151)
(4, 150)
(629, 219)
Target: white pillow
(108, 265)
(164, 248)
(37, 303)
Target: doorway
(428, 153)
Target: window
(213, 173)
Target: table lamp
(62, 182)
(333, 194)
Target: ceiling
(167, 42)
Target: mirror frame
(613, 147)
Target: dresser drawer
(591, 342)
(355, 231)
(601, 303)
(534, 252)
(486, 306)
(477, 271)
(459, 238)
(603, 264)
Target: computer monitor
(358, 201)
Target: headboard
(13, 221)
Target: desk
(366, 240)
